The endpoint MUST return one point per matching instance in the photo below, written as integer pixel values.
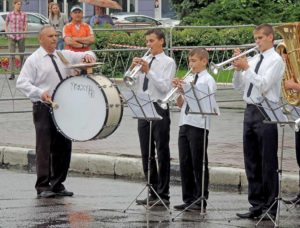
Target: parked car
(169, 22)
(35, 21)
(134, 20)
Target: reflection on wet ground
(100, 202)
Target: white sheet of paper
(293, 111)
(204, 102)
(274, 111)
(141, 105)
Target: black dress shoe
(197, 207)
(46, 194)
(159, 203)
(11, 77)
(181, 206)
(152, 200)
(64, 193)
(248, 215)
(268, 216)
(295, 200)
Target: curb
(117, 166)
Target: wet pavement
(100, 202)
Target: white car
(35, 21)
(134, 20)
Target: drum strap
(62, 58)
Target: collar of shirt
(268, 52)
(192, 76)
(44, 53)
(157, 57)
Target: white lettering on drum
(83, 88)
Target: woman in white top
(57, 20)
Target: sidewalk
(119, 154)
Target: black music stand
(201, 102)
(142, 108)
(273, 114)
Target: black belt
(253, 105)
(37, 103)
(40, 103)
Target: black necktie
(256, 70)
(146, 80)
(187, 108)
(56, 67)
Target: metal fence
(12, 101)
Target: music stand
(201, 102)
(272, 113)
(142, 108)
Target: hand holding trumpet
(240, 63)
(140, 61)
(177, 82)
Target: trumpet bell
(214, 68)
(129, 81)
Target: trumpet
(131, 75)
(215, 67)
(172, 95)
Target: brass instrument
(131, 75)
(172, 95)
(290, 51)
(216, 67)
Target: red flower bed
(4, 62)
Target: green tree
(237, 12)
(185, 7)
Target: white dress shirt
(160, 75)
(197, 120)
(266, 82)
(39, 75)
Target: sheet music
(292, 111)
(202, 101)
(141, 105)
(274, 111)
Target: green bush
(118, 62)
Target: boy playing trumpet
(191, 135)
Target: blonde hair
(51, 14)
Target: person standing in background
(58, 21)
(16, 21)
(78, 36)
(100, 19)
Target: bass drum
(89, 107)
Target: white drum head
(82, 108)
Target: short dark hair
(159, 34)
(200, 52)
(267, 29)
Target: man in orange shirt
(78, 36)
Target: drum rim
(106, 116)
(121, 111)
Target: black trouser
(190, 143)
(261, 163)
(160, 137)
(53, 151)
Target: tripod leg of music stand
(135, 199)
(278, 199)
(202, 198)
(148, 185)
